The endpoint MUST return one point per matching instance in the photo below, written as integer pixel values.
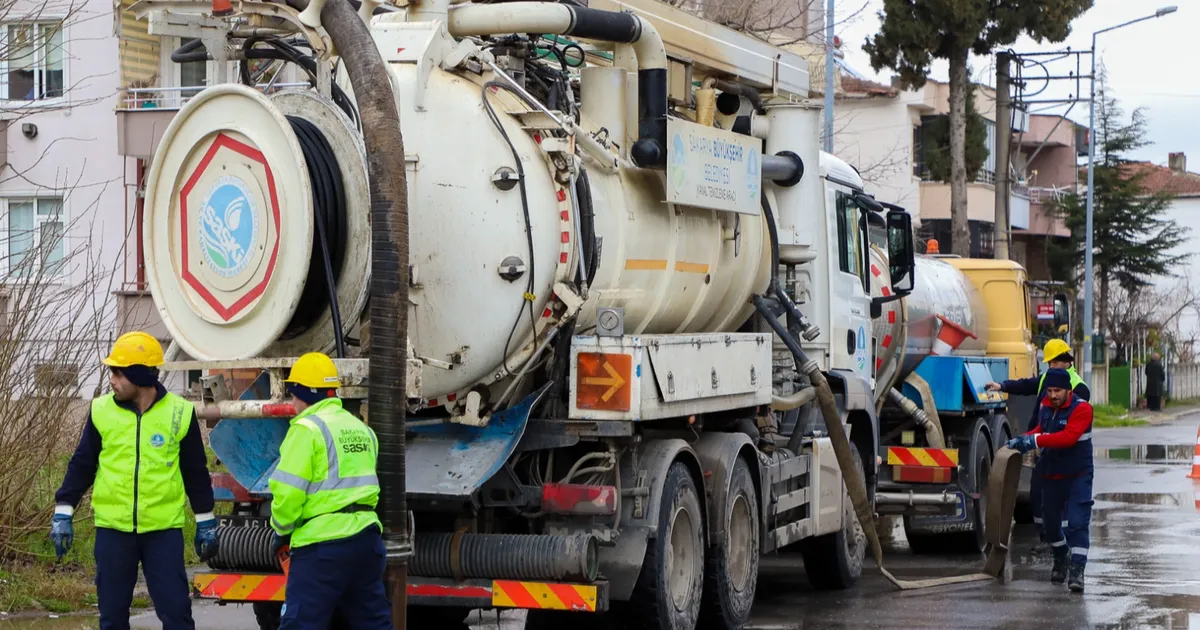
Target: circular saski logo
(678, 161)
(228, 226)
(157, 440)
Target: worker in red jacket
(1064, 433)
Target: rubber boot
(1075, 582)
(1058, 574)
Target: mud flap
(452, 461)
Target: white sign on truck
(712, 168)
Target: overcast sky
(1151, 64)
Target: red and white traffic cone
(950, 337)
(1195, 474)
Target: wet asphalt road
(1144, 568)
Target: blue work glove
(62, 532)
(1022, 443)
(206, 537)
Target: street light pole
(1089, 275)
(829, 76)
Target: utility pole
(1003, 154)
(829, 76)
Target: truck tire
(669, 588)
(439, 617)
(731, 567)
(835, 561)
(978, 469)
(267, 615)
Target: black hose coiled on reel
(245, 549)
(329, 217)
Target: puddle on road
(1141, 453)
(1185, 500)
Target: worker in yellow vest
(141, 451)
(324, 493)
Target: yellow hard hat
(315, 370)
(1056, 348)
(1062, 330)
(135, 348)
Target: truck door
(850, 315)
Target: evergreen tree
(914, 32)
(936, 140)
(1132, 241)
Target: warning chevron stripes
(912, 456)
(237, 587)
(541, 595)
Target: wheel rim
(681, 570)
(741, 543)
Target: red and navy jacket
(1065, 434)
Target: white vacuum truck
(631, 270)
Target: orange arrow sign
(604, 381)
(613, 381)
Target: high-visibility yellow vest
(326, 468)
(139, 487)
(1075, 379)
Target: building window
(987, 173)
(36, 243)
(34, 61)
(52, 379)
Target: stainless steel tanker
(908, 328)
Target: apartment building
(63, 192)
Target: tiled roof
(857, 87)
(1162, 179)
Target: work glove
(62, 532)
(280, 543)
(206, 539)
(1023, 443)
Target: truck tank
(907, 328)
(235, 264)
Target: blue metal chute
(959, 383)
(452, 461)
(249, 448)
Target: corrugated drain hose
(1002, 485)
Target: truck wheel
(980, 466)
(835, 561)
(731, 573)
(267, 615)
(448, 617)
(670, 585)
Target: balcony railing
(1045, 195)
(175, 97)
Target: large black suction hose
(389, 266)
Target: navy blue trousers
(161, 556)
(343, 576)
(1068, 502)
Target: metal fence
(176, 97)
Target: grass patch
(1111, 416)
(53, 588)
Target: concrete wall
(73, 156)
(1186, 213)
(875, 135)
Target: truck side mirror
(1062, 312)
(901, 255)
